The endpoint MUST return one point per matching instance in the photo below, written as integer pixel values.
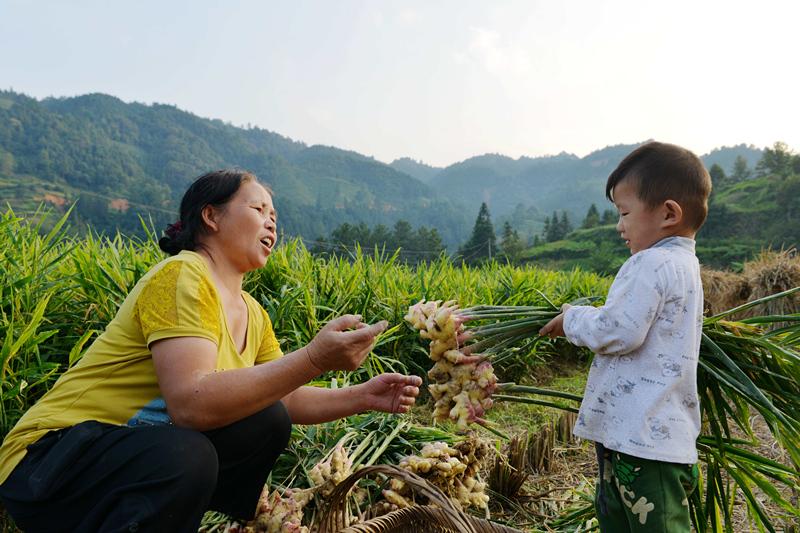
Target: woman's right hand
(343, 343)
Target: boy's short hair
(662, 172)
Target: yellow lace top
(115, 381)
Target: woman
(185, 402)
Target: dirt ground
(571, 481)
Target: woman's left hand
(391, 393)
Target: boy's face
(640, 225)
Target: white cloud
(497, 55)
(408, 16)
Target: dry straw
(723, 290)
(445, 517)
(769, 273)
(773, 272)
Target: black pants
(101, 477)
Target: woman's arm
(391, 393)
(199, 397)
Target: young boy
(641, 405)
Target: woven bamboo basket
(444, 517)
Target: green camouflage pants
(641, 495)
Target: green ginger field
(57, 292)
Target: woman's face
(247, 227)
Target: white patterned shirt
(641, 394)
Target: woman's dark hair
(216, 189)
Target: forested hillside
(563, 182)
(118, 161)
(124, 159)
(750, 210)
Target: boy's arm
(555, 328)
(621, 325)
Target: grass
(57, 291)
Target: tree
(420, 245)
(553, 229)
(717, 174)
(740, 170)
(565, 227)
(546, 230)
(592, 218)
(6, 163)
(345, 234)
(511, 244)
(429, 245)
(556, 229)
(363, 235)
(482, 244)
(381, 236)
(609, 217)
(788, 199)
(403, 235)
(777, 161)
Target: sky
(437, 81)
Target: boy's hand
(555, 328)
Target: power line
(346, 248)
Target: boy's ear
(673, 214)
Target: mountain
(561, 182)
(726, 156)
(748, 212)
(417, 169)
(122, 159)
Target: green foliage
(511, 244)
(731, 158)
(609, 217)
(31, 306)
(556, 228)
(743, 366)
(561, 182)
(717, 175)
(411, 246)
(416, 169)
(598, 249)
(527, 220)
(740, 170)
(745, 216)
(778, 161)
(592, 218)
(482, 244)
(100, 150)
(763, 212)
(58, 291)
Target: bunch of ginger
(461, 384)
(453, 469)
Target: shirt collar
(675, 241)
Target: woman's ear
(209, 216)
(673, 214)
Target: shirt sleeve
(179, 301)
(621, 325)
(270, 348)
